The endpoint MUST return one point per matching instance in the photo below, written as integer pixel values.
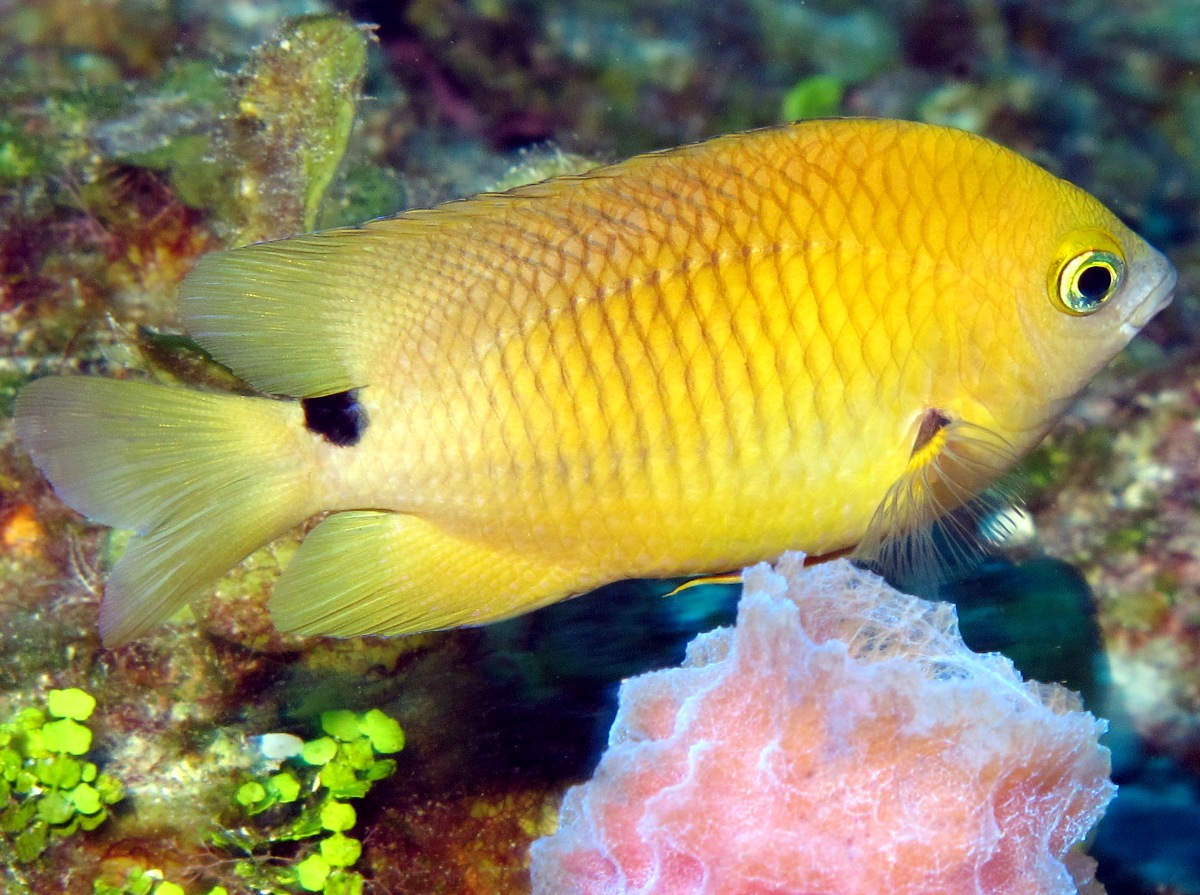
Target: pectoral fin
(929, 526)
(373, 572)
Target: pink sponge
(841, 739)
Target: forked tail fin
(203, 479)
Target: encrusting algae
(814, 336)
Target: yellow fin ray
(731, 578)
(929, 526)
(373, 572)
(203, 479)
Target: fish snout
(1153, 269)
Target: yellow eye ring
(1088, 280)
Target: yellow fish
(808, 337)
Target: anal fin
(931, 525)
(373, 572)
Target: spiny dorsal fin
(929, 527)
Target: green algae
(123, 170)
(290, 150)
(260, 147)
(1070, 455)
(46, 792)
(317, 784)
(817, 96)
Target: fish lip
(1156, 299)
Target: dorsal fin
(315, 315)
(285, 315)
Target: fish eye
(1088, 280)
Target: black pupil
(1094, 282)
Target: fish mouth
(1157, 298)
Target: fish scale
(809, 337)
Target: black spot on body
(337, 418)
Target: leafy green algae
(329, 770)
(258, 148)
(46, 791)
(296, 102)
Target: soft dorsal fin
(286, 316)
(930, 525)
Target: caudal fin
(203, 479)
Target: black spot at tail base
(338, 418)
